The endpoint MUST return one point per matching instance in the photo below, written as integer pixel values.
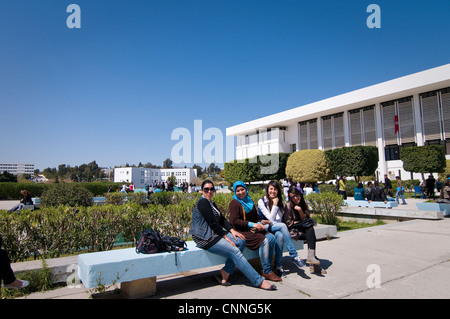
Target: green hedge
(11, 191)
(52, 231)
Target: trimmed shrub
(327, 205)
(66, 194)
(308, 166)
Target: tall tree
(423, 159)
(353, 161)
(167, 163)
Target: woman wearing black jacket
(211, 231)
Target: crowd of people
(158, 186)
(374, 191)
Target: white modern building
(419, 103)
(141, 176)
(17, 168)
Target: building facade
(141, 176)
(407, 111)
(17, 168)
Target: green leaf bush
(53, 231)
(308, 166)
(66, 194)
(50, 232)
(327, 205)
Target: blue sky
(115, 89)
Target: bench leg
(139, 288)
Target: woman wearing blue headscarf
(244, 218)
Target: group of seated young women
(265, 227)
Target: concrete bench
(137, 272)
(439, 207)
(364, 203)
(36, 202)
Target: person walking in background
(308, 189)
(342, 190)
(400, 191)
(286, 186)
(439, 185)
(387, 185)
(430, 186)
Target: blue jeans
(266, 253)
(282, 236)
(235, 258)
(400, 193)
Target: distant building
(407, 111)
(141, 176)
(17, 168)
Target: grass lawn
(350, 225)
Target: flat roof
(420, 82)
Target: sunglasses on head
(207, 189)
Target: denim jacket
(199, 226)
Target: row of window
(262, 135)
(361, 129)
(398, 124)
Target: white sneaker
(298, 262)
(280, 271)
(23, 284)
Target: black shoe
(219, 280)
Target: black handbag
(305, 223)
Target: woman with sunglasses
(271, 211)
(244, 218)
(211, 231)
(296, 210)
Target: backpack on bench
(173, 243)
(152, 242)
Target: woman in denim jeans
(211, 231)
(270, 211)
(400, 190)
(244, 218)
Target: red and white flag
(396, 124)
